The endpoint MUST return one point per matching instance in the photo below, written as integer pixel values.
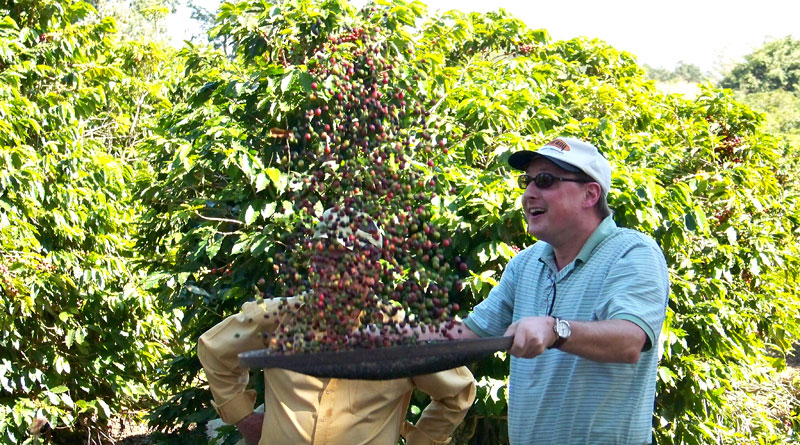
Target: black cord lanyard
(553, 300)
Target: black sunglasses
(544, 180)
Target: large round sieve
(380, 363)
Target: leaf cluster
(774, 66)
(81, 337)
(137, 212)
(699, 175)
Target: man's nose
(530, 191)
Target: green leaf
(183, 156)
(250, 214)
(730, 232)
(277, 178)
(205, 92)
(213, 246)
(700, 219)
(287, 80)
(261, 182)
(105, 407)
(261, 243)
(305, 80)
(196, 290)
(268, 210)
(688, 220)
(246, 164)
(67, 400)
(53, 398)
(243, 242)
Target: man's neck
(566, 251)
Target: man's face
(551, 212)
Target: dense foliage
(212, 196)
(769, 81)
(774, 66)
(781, 111)
(80, 338)
(697, 175)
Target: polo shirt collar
(606, 228)
(603, 230)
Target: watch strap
(559, 342)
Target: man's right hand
(250, 428)
(532, 336)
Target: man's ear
(592, 193)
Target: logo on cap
(558, 143)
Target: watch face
(563, 329)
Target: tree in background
(687, 72)
(138, 19)
(775, 66)
(769, 81)
(781, 113)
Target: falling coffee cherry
(378, 258)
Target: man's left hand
(250, 428)
(532, 336)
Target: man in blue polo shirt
(585, 305)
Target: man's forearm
(615, 341)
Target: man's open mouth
(535, 211)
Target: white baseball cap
(571, 155)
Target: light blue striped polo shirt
(561, 398)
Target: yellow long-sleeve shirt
(300, 409)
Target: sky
(712, 34)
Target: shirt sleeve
(452, 393)
(637, 289)
(492, 316)
(218, 350)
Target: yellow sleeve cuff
(415, 436)
(237, 408)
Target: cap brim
(521, 159)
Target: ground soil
(140, 434)
(130, 433)
(794, 359)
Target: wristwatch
(562, 330)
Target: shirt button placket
(325, 411)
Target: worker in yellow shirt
(300, 409)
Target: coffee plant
(357, 159)
(408, 119)
(81, 338)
